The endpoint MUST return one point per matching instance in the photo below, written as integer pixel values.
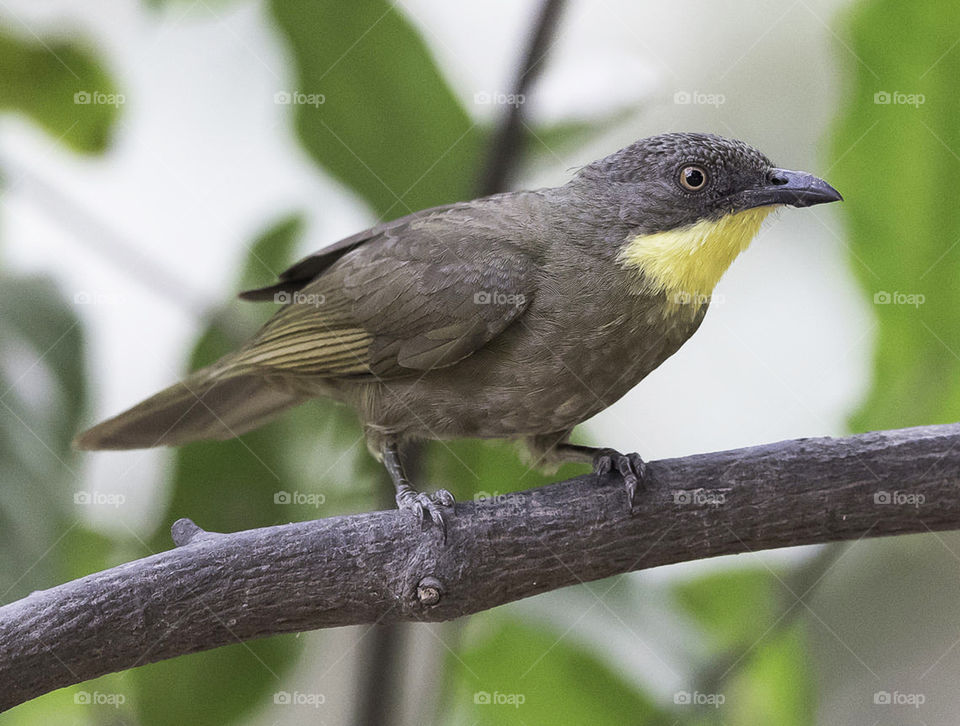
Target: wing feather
(415, 295)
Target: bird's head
(693, 202)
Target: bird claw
(631, 468)
(427, 507)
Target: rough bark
(215, 589)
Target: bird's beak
(796, 188)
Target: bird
(513, 316)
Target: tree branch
(216, 589)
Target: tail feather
(212, 403)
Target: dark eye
(693, 178)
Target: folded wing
(411, 297)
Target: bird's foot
(631, 467)
(426, 506)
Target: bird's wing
(303, 271)
(416, 296)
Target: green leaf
(42, 394)
(896, 149)
(775, 686)
(515, 673)
(62, 87)
(759, 670)
(731, 607)
(389, 126)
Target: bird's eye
(693, 178)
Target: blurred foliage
(390, 126)
(43, 380)
(515, 673)
(896, 148)
(42, 377)
(42, 396)
(60, 86)
(730, 607)
(757, 654)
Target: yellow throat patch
(687, 263)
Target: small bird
(513, 316)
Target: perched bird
(514, 316)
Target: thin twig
(507, 141)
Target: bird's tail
(216, 402)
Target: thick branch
(216, 589)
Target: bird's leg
(408, 498)
(631, 467)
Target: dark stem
(379, 675)
(506, 146)
(215, 589)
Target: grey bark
(215, 589)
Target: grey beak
(796, 188)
